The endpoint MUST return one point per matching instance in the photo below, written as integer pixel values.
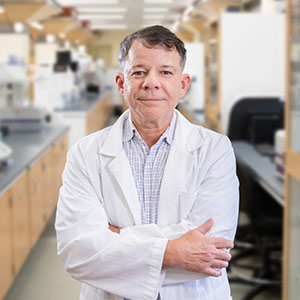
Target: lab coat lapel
(119, 167)
(179, 164)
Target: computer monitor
(63, 57)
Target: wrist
(170, 255)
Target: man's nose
(151, 81)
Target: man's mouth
(150, 99)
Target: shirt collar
(129, 130)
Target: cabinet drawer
(6, 276)
(20, 221)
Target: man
(148, 207)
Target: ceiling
(127, 14)
(81, 21)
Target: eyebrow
(168, 67)
(143, 66)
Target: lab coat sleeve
(217, 197)
(128, 266)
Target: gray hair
(153, 36)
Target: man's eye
(139, 73)
(166, 73)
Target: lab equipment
(5, 152)
(22, 118)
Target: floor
(43, 278)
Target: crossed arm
(194, 251)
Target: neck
(150, 132)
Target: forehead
(152, 54)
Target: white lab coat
(199, 183)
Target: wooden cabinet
(6, 275)
(59, 158)
(20, 221)
(96, 118)
(36, 201)
(48, 183)
(25, 208)
(291, 274)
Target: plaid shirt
(147, 166)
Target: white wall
(14, 44)
(253, 58)
(45, 53)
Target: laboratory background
(58, 61)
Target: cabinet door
(59, 159)
(48, 194)
(97, 117)
(36, 201)
(6, 275)
(20, 221)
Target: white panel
(195, 67)
(14, 44)
(45, 53)
(253, 58)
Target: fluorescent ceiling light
(101, 9)
(158, 1)
(37, 25)
(67, 44)
(156, 9)
(18, 27)
(157, 17)
(82, 49)
(86, 2)
(50, 38)
(108, 26)
(2, 10)
(100, 17)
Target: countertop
(27, 148)
(84, 103)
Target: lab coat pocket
(186, 201)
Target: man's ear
(185, 83)
(120, 83)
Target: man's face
(152, 83)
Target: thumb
(205, 227)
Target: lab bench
(28, 194)
(86, 114)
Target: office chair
(257, 259)
(250, 116)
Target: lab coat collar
(187, 136)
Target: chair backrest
(255, 118)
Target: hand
(114, 228)
(194, 251)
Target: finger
(223, 243)
(212, 272)
(222, 255)
(205, 227)
(216, 263)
